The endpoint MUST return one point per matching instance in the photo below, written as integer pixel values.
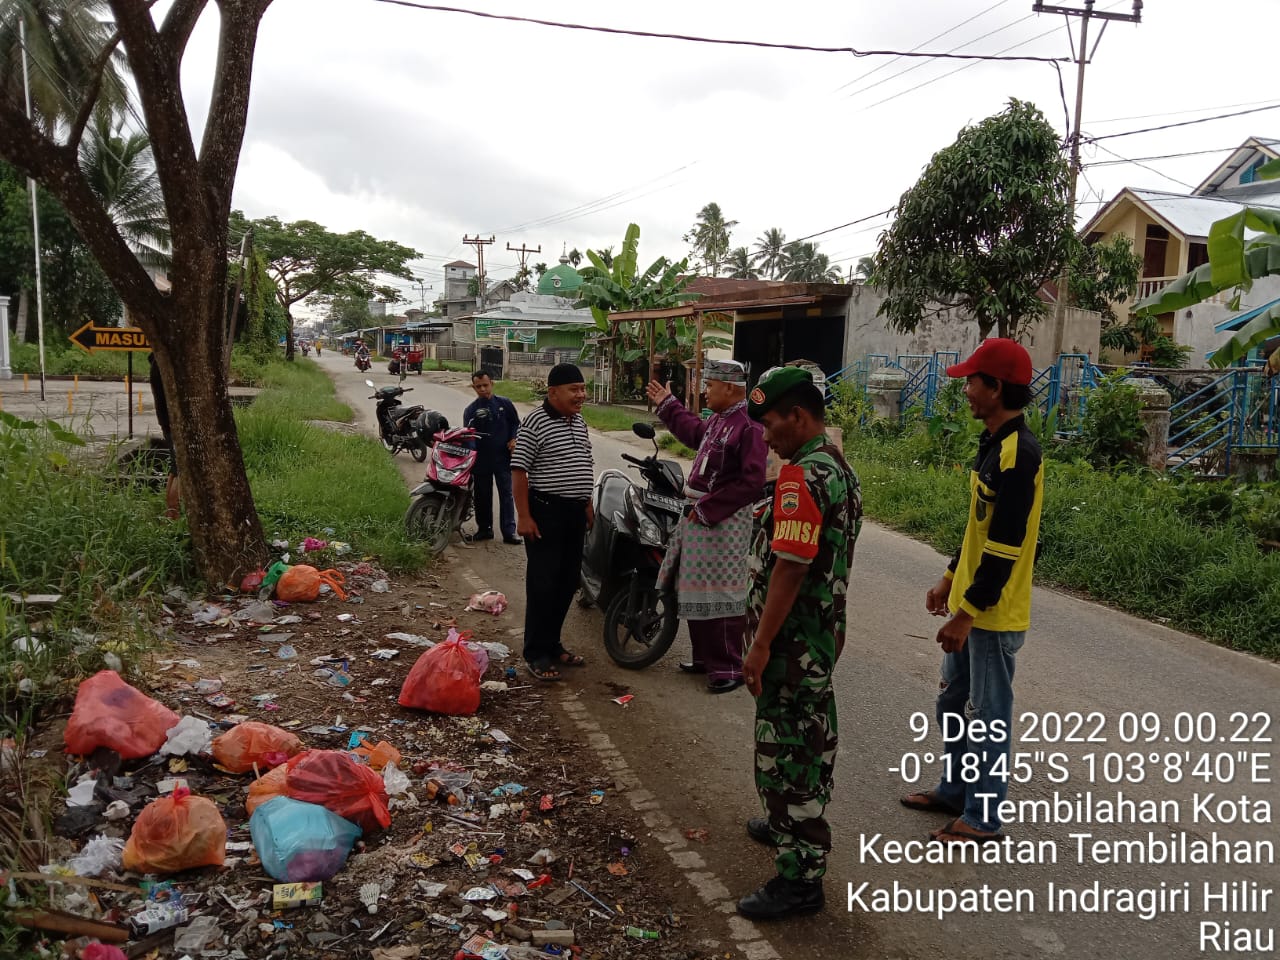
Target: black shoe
(758, 830)
(482, 535)
(783, 898)
(692, 668)
(513, 541)
(723, 686)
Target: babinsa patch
(757, 395)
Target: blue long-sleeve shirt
(497, 419)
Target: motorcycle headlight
(647, 529)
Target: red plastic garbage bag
(252, 742)
(338, 782)
(175, 833)
(110, 713)
(301, 583)
(446, 679)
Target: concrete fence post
(1155, 417)
(6, 373)
(884, 388)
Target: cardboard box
(287, 895)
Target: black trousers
(551, 580)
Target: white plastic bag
(395, 780)
(100, 854)
(190, 736)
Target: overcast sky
(422, 126)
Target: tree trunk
(24, 306)
(288, 334)
(226, 533)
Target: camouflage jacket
(814, 517)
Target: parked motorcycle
(408, 428)
(444, 499)
(624, 550)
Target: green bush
(1112, 432)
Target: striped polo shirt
(555, 451)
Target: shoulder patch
(757, 395)
(797, 521)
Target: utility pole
(523, 252)
(479, 243)
(1083, 56)
(422, 288)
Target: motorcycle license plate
(672, 504)
(453, 449)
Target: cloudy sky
(421, 126)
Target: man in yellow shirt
(986, 592)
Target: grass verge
(66, 361)
(517, 391)
(308, 480)
(1145, 542)
(612, 418)
(668, 442)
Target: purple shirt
(729, 468)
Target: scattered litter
(701, 834)
(446, 679)
(192, 939)
(385, 653)
(494, 686)
(287, 620)
(480, 894)
(639, 934)
(220, 701)
(488, 601)
(596, 798)
(340, 548)
(369, 893)
(156, 916)
(623, 700)
(207, 613)
(206, 687)
(618, 869)
(411, 638)
(190, 735)
(170, 784)
(542, 858)
(257, 612)
(395, 780)
(311, 545)
(508, 790)
(302, 583)
(253, 744)
(116, 810)
(99, 855)
(496, 651)
(380, 586)
(286, 895)
(81, 795)
(286, 652)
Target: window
(1250, 174)
(1197, 254)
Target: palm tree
(866, 269)
(769, 252)
(122, 174)
(709, 238)
(604, 253)
(740, 265)
(65, 42)
(575, 257)
(804, 264)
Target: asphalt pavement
(1107, 705)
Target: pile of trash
(305, 800)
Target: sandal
(953, 832)
(545, 672)
(931, 803)
(570, 659)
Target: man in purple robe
(706, 561)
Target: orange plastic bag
(175, 833)
(252, 742)
(301, 583)
(446, 679)
(110, 713)
(266, 787)
(334, 780)
(378, 755)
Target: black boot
(781, 897)
(758, 830)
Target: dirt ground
(428, 857)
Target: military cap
(772, 385)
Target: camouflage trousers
(795, 759)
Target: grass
(307, 480)
(668, 442)
(607, 418)
(1185, 552)
(517, 391)
(66, 360)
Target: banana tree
(1235, 261)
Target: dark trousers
(486, 475)
(551, 580)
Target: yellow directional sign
(91, 338)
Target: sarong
(707, 567)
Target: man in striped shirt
(552, 473)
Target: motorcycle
(444, 499)
(624, 550)
(411, 428)
(363, 362)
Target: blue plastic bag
(299, 841)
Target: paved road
(693, 751)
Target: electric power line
(1162, 156)
(1136, 163)
(1186, 110)
(1184, 123)
(851, 223)
(692, 38)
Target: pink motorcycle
(443, 500)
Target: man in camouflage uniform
(796, 618)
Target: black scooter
(624, 550)
(409, 428)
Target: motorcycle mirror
(643, 430)
(368, 383)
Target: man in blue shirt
(496, 419)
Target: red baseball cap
(1003, 359)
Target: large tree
(308, 261)
(709, 239)
(741, 265)
(988, 222)
(187, 327)
(802, 262)
(122, 174)
(770, 252)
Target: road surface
(1112, 679)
